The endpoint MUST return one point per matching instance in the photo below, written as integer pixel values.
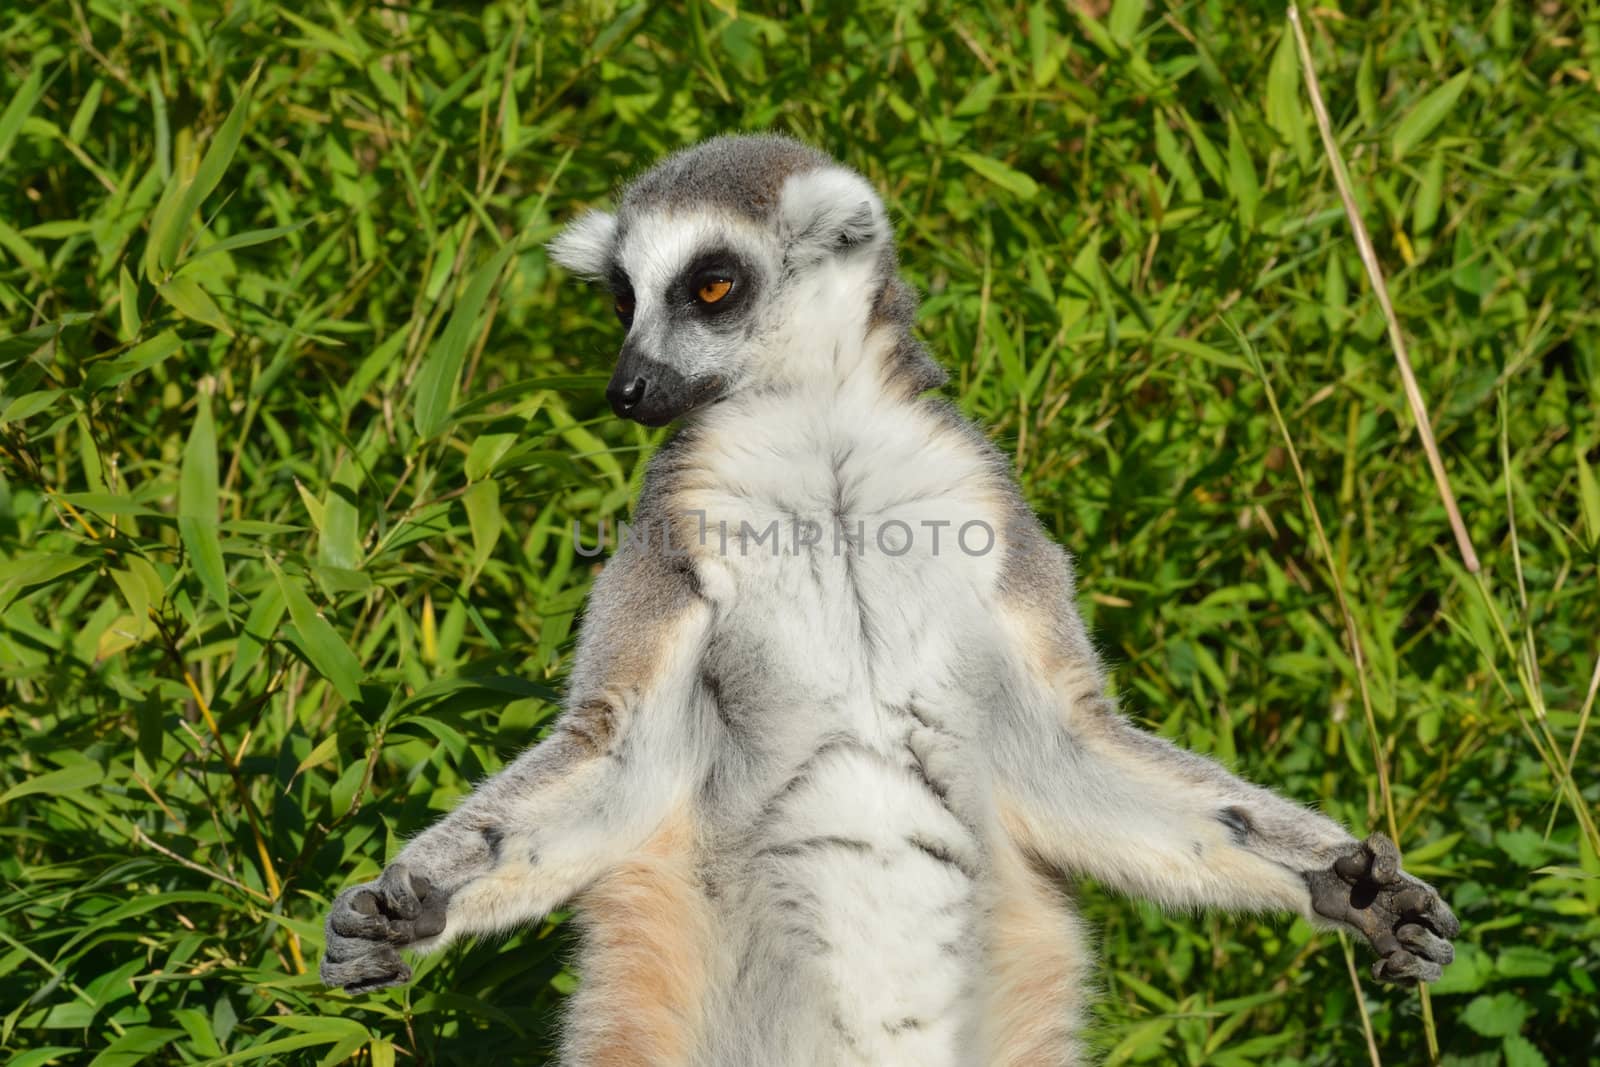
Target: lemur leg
(622, 759)
(1090, 793)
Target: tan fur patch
(593, 725)
(1037, 968)
(648, 933)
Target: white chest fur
(852, 550)
(862, 539)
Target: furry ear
(584, 247)
(831, 210)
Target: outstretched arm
(623, 754)
(1088, 792)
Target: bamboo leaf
(339, 539)
(1589, 497)
(195, 303)
(326, 749)
(54, 783)
(136, 360)
(436, 381)
(23, 99)
(1425, 116)
(1012, 181)
(128, 302)
(212, 166)
(198, 503)
(259, 628)
(320, 642)
(483, 515)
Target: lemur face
(712, 260)
(690, 289)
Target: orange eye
(713, 291)
(624, 308)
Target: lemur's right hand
(1406, 921)
(368, 924)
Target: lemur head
(732, 265)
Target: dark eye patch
(622, 296)
(720, 272)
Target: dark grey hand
(368, 925)
(1405, 920)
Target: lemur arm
(1089, 793)
(622, 754)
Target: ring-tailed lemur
(835, 728)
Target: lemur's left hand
(369, 923)
(1408, 924)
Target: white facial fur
(584, 247)
(653, 254)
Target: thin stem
(1369, 259)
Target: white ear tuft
(584, 247)
(831, 210)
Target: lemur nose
(634, 393)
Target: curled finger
(1424, 943)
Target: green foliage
(295, 418)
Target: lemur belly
(841, 672)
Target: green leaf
(259, 628)
(484, 516)
(218, 155)
(1012, 181)
(1468, 973)
(135, 591)
(1520, 1052)
(30, 404)
(1123, 21)
(1426, 115)
(23, 99)
(193, 302)
(623, 25)
(1588, 497)
(1524, 961)
(128, 302)
(1284, 113)
(1430, 193)
(21, 345)
(979, 96)
(242, 240)
(436, 381)
(487, 450)
(26, 571)
(320, 642)
(326, 749)
(1140, 1041)
(1431, 851)
(1242, 180)
(1499, 1015)
(1524, 845)
(54, 783)
(140, 358)
(37, 1057)
(339, 539)
(198, 503)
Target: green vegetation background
(295, 417)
